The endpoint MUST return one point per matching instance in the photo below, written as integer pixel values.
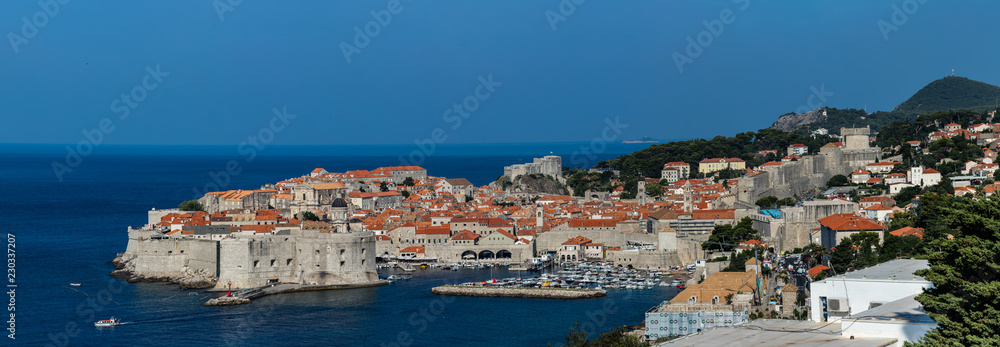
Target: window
(341, 263)
(255, 263)
(272, 262)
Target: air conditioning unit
(837, 305)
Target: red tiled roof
(413, 249)
(589, 223)
(905, 231)
(815, 270)
(714, 214)
(848, 221)
(579, 240)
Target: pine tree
(842, 256)
(965, 271)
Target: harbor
(543, 293)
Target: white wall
(860, 293)
(902, 331)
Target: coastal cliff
(187, 278)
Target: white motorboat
(113, 322)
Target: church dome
(339, 202)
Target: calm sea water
(69, 231)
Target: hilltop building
(717, 164)
(675, 171)
(550, 165)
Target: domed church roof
(339, 202)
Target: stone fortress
(550, 165)
(795, 226)
(343, 254)
(811, 171)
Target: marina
(593, 275)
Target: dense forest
(945, 94)
(918, 129)
(951, 93)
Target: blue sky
(606, 58)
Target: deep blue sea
(68, 231)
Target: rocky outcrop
(546, 293)
(188, 279)
(534, 183)
(795, 121)
(227, 301)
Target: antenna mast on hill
(952, 72)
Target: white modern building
(924, 177)
(847, 295)
(903, 320)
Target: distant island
(642, 140)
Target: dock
(544, 293)
(244, 296)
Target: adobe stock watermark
(588, 153)
(49, 10)
(86, 313)
(363, 37)
(900, 15)
(122, 106)
(225, 6)
(456, 115)
(420, 321)
(237, 333)
(249, 148)
(565, 9)
(816, 99)
(713, 29)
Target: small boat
(681, 286)
(108, 322)
(74, 284)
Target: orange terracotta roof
(815, 270)
(905, 231)
(848, 221)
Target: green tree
(618, 337)
(837, 181)
(767, 202)
(654, 189)
(906, 194)
(408, 182)
(191, 205)
(725, 236)
(384, 187)
(867, 243)
(308, 215)
(405, 193)
(899, 247)
(842, 256)
(965, 272)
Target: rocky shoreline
(189, 279)
(546, 293)
(227, 301)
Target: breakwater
(546, 293)
(246, 295)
